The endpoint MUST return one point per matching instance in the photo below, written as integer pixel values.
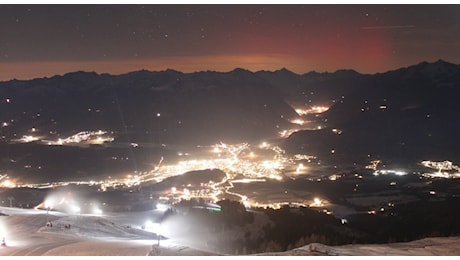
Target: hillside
(27, 235)
(400, 116)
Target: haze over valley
(357, 149)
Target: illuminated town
(81, 138)
(203, 130)
(241, 163)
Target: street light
(158, 128)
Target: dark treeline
(289, 228)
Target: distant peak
(348, 72)
(80, 73)
(174, 71)
(437, 63)
(284, 70)
(240, 70)
(344, 73)
(441, 61)
(144, 72)
(311, 73)
(439, 66)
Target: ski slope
(26, 233)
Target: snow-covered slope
(26, 233)
(439, 246)
(436, 246)
(29, 233)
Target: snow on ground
(439, 246)
(119, 234)
(27, 233)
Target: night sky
(45, 40)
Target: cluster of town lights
(84, 137)
(311, 110)
(241, 163)
(445, 169)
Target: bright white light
(400, 173)
(337, 131)
(248, 180)
(312, 110)
(48, 204)
(300, 167)
(319, 109)
(186, 192)
(148, 225)
(75, 209)
(97, 211)
(333, 177)
(85, 137)
(301, 112)
(385, 172)
(287, 133)
(275, 177)
(269, 165)
(233, 159)
(298, 121)
(317, 202)
(29, 138)
(152, 227)
(162, 207)
(26, 139)
(446, 169)
(373, 165)
(7, 184)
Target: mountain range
(408, 114)
(402, 115)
